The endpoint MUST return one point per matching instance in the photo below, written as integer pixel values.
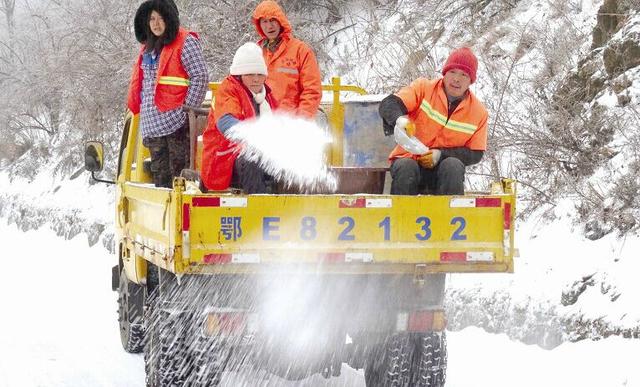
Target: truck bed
(342, 234)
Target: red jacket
(172, 81)
(219, 154)
(294, 74)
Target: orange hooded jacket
(294, 75)
(219, 154)
(427, 104)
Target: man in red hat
(449, 124)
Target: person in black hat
(169, 72)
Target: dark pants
(169, 155)
(409, 178)
(248, 176)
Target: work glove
(430, 159)
(403, 134)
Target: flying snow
(292, 150)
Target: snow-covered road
(58, 328)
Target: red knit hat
(462, 59)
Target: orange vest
(219, 154)
(427, 105)
(172, 81)
(293, 71)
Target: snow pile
(290, 149)
(542, 302)
(68, 206)
(473, 357)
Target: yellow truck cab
(197, 272)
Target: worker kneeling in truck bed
(242, 95)
(449, 120)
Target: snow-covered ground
(565, 286)
(58, 314)
(59, 329)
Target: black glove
(391, 107)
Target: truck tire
(130, 314)
(165, 352)
(176, 353)
(173, 358)
(409, 360)
(432, 368)
(209, 359)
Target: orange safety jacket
(293, 71)
(427, 105)
(219, 154)
(172, 80)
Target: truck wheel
(409, 360)
(432, 367)
(130, 314)
(210, 359)
(165, 354)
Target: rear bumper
(349, 268)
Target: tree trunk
(8, 7)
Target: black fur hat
(169, 12)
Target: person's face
(156, 23)
(270, 27)
(456, 83)
(254, 82)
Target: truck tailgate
(348, 234)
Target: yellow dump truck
(297, 284)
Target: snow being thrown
(290, 149)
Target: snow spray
(290, 149)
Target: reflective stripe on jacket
(294, 75)
(172, 79)
(427, 105)
(219, 154)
